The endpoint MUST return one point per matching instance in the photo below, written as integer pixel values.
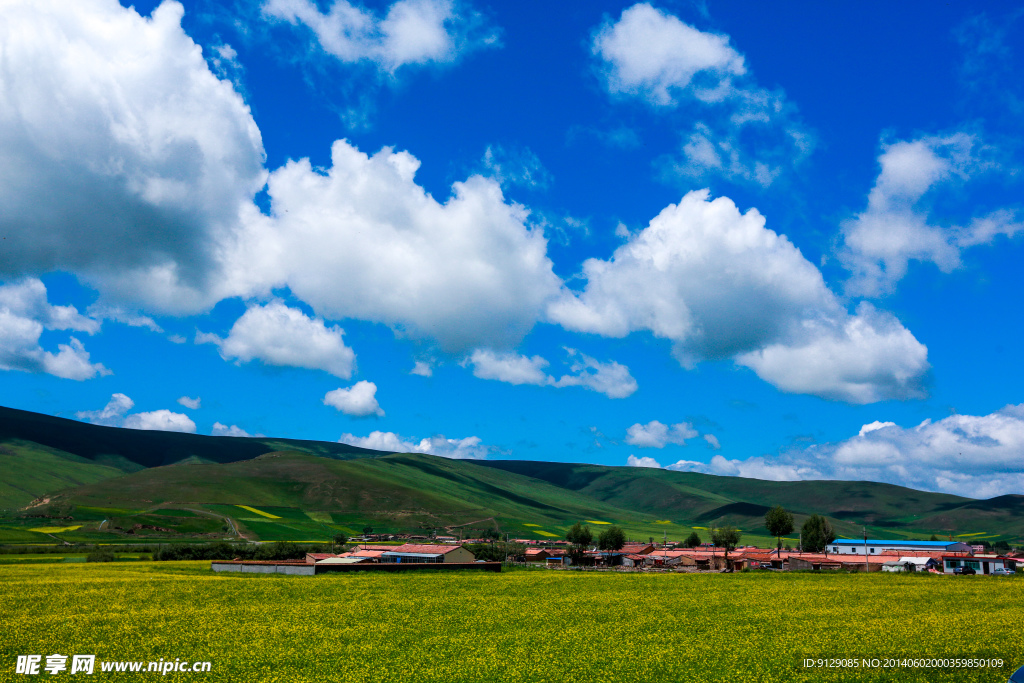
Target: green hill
(104, 483)
(306, 497)
(153, 448)
(708, 499)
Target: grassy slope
(128, 448)
(29, 471)
(349, 487)
(397, 491)
(706, 499)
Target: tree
(612, 538)
(580, 537)
(779, 523)
(367, 530)
(933, 538)
(490, 534)
(693, 540)
(727, 537)
(815, 534)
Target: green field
(526, 625)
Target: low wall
(408, 567)
(264, 568)
(301, 569)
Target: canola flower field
(521, 625)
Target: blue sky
(725, 239)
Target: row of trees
(613, 538)
(815, 534)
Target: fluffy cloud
(508, 367)
(278, 335)
(412, 31)
(611, 379)
(633, 461)
(469, 448)
(897, 225)
(359, 400)
(130, 164)
(654, 434)
(191, 403)
(220, 429)
(748, 133)
(422, 368)
(110, 415)
(863, 358)
(24, 314)
(160, 420)
(125, 159)
(468, 273)
(655, 55)
(719, 284)
(712, 441)
(978, 456)
(114, 414)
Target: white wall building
(849, 546)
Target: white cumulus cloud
(25, 313)
(655, 434)
(220, 429)
(980, 456)
(422, 368)
(633, 461)
(651, 53)
(898, 225)
(610, 378)
(468, 273)
(411, 32)
(508, 367)
(126, 160)
(746, 132)
(469, 448)
(359, 400)
(160, 420)
(192, 403)
(720, 284)
(110, 415)
(279, 335)
(114, 414)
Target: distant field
(527, 625)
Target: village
(844, 555)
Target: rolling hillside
(40, 454)
(108, 483)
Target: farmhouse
(414, 552)
(982, 565)
(537, 555)
(637, 549)
(848, 546)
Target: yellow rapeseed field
(258, 512)
(526, 625)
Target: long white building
(850, 546)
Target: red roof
(423, 549)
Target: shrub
(101, 555)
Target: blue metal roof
(919, 544)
